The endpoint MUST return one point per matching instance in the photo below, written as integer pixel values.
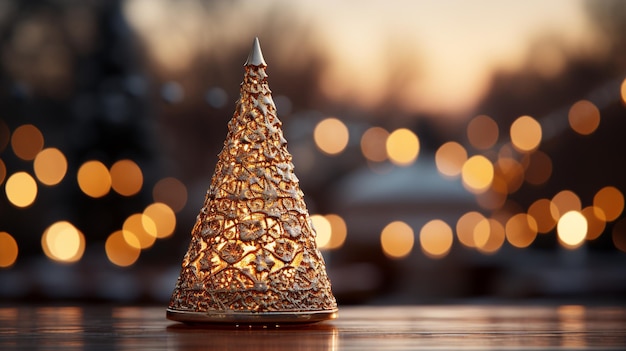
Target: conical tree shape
(252, 256)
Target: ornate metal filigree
(253, 250)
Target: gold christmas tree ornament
(252, 256)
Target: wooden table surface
(453, 327)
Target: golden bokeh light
(541, 211)
(450, 158)
(482, 132)
(489, 235)
(126, 177)
(525, 134)
(21, 189)
(397, 239)
(27, 141)
(436, 238)
(572, 229)
(50, 166)
(477, 174)
(63, 242)
(539, 168)
(331, 136)
(339, 231)
(511, 171)
(402, 147)
(171, 192)
(596, 222)
(8, 250)
(618, 234)
(122, 249)
(564, 201)
(465, 226)
(94, 179)
(373, 144)
(138, 229)
(159, 220)
(3, 171)
(611, 201)
(323, 230)
(584, 117)
(521, 230)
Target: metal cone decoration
(253, 256)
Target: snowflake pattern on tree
(253, 245)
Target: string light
(126, 177)
(436, 238)
(482, 132)
(397, 240)
(8, 250)
(373, 144)
(526, 134)
(94, 179)
(21, 189)
(50, 166)
(450, 158)
(331, 136)
(63, 242)
(403, 147)
(27, 141)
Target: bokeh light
(373, 144)
(122, 249)
(596, 221)
(126, 177)
(138, 229)
(159, 220)
(171, 192)
(339, 231)
(618, 234)
(21, 189)
(436, 238)
(539, 168)
(572, 229)
(611, 201)
(63, 242)
(465, 226)
(331, 136)
(584, 117)
(27, 141)
(521, 230)
(525, 134)
(323, 230)
(50, 166)
(397, 240)
(403, 147)
(565, 201)
(94, 179)
(541, 211)
(8, 250)
(489, 235)
(450, 158)
(477, 174)
(482, 132)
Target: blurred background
(448, 150)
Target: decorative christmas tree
(252, 256)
